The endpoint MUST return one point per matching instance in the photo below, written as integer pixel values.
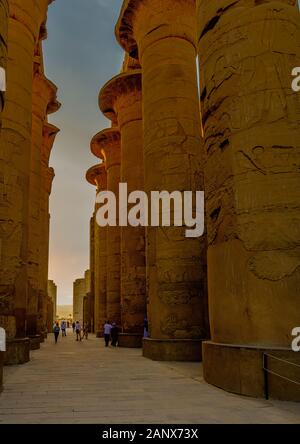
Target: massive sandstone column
(44, 102)
(123, 95)
(3, 47)
(107, 146)
(251, 121)
(163, 36)
(26, 25)
(3, 61)
(97, 176)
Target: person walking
(73, 326)
(114, 335)
(85, 331)
(107, 332)
(146, 328)
(63, 329)
(56, 330)
(78, 331)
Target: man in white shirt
(107, 331)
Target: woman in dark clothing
(114, 335)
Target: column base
(172, 349)
(1, 369)
(17, 351)
(99, 334)
(239, 369)
(130, 340)
(35, 342)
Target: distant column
(44, 102)
(47, 175)
(97, 176)
(123, 95)
(107, 146)
(162, 35)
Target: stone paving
(82, 382)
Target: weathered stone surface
(163, 36)
(107, 146)
(17, 351)
(251, 123)
(123, 95)
(3, 46)
(97, 176)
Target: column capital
(118, 88)
(44, 96)
(97, 176)
(48, 177)
(143, 22)
(106, 145)
(49, 133)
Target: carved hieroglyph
(26, 28)
(251, 119)
(97, 176)
(107, 146)
(123, 95)
(163, 36)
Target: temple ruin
(228, 127)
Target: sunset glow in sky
(81, 54)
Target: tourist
(107, 332)
(114, 334)
(146, 326)
(73, 326)
(85, 331)
(78, 331)
(63, 328)
(56, 330)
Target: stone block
(17, 351)
(172, 349)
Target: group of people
(111, 331)
(111, 334)
(81, 331)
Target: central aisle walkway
(82, 382)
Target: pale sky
(81, 54)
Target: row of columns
(26, 140)
(239, 144)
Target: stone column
(26, 26)
(123, 95)
(52, 294)
(163, 36)
(3, 62)
(47, 175)
(44, 102)
(97, 176)
(78, 296)
(3, 47)
(107, 146)
(251, 121)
